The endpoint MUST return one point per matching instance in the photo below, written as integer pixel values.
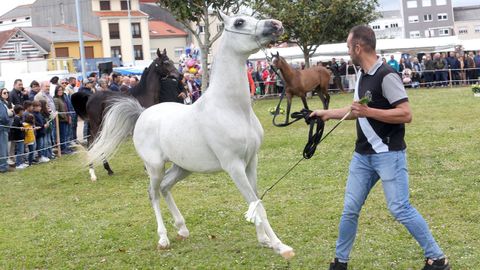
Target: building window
(104, 5)
(444, 32)
(115, 51)
(178, 52)
(427, 18)
(477, 29)
(427, 3)
(27, 18)
(441, 2)
(138, 51)
(375, 27)
(61, 52)
(89, 52)
(114, 30)
(462, 31)
(125, 4)
(414, 34)
(136, 32)
(429, 33)
(442, 16)
(201, 29)
(413, 19)
(394, 25)
(411, 4)
(14, 20)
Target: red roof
(163, 29)
(135, 13)
(6, 35)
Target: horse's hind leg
(107, 167)
(251, 172)
(324, 96)
(173, 176)
(156, 175)
(304, 101)
(91, 170)
(256, 211)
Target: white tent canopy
(384, 46)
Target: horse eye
(238, 22)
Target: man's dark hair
(364, 35)
(115, 75)
(34, 83)
(17, 80)
(54, 80)
(18, 108)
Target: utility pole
(131, 31)
(80, 38)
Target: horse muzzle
(273, 28)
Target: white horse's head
(248, 33)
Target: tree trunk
(206, 73)
(306, 57)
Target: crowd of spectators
(437, 69)
(28, 124)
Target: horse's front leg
(173, 176)
(289, 105)
(251, 172)
(256, 212)
(156, 175)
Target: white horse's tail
(117, 124)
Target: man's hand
(322, 114)
(359, 110)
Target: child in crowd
(17, 135)
(29, 128)
(48, 142)
(28, 108)
(40, 135)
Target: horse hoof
(181, 237)
(110, 173)
(287, 255)
(161, 247)
(94, 179)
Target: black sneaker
(440, 264)
(336, 265)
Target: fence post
(450, 76)
(57, 131)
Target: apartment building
(123, 28)
(467, 22)
(388, 25)
(427, 18)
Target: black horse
(159, 83)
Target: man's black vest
(391, 135)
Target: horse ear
(165, 51)
(158, 53)
(278, 55)
(222, 15)
(273, 55)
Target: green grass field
(54, 217)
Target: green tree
(196, 14)
(311, 23)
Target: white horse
(218, 132)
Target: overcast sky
(7, 5)
(395, 4)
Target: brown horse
(300, 82)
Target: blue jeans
(19, 152)
(365, 171)
(40, 142)
(31, 152)
(3, 149)
(63, 135)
